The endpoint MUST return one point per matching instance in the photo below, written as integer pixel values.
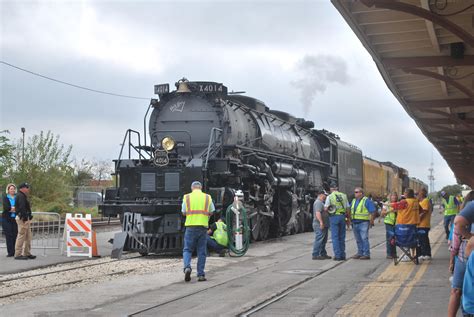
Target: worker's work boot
(187, 274)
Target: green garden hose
(232, 230)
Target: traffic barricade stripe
(71, 224)
(76, 242)
(83, 225)
(78, 232)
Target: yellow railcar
(399, 177)
(417, 184)
(375, 179)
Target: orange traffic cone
(95, 254)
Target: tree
(47, 166)
(102, 170)
(452, 189)
(83, 173)
(6, 157)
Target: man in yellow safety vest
(362, 216)
(217, 238)
(197, 207)
(337, 206)
(451, 209)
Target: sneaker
(10, 255)
(31, 257)
(427, 258)
(327, 257)
(222, 254)
(364, 257)
(187, 274)
(319, 257)
(356, 257)
(201, 278)
(338, 259)
(21, 257)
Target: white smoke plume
(318, 72)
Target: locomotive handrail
(212, 137)
(128, 134)
(144, 121)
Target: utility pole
(23, 146)
(431, 177)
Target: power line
(72, 85)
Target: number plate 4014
(161, 158)
(211, 88)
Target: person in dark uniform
(10, 228)
(23, 219)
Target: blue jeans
(320, 240)
(212, 245)
(361, 234)
(337, 224)
(447, 224)
(195, 239)
(458, 274)
(389, 234)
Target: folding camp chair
(406, 240)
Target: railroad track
(283, 293)
(262, 304)
(16, 283)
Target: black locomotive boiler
(227, 141)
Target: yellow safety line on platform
(374, 297)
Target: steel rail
(65, 270)
(234, 279)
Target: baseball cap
(196, 183)
(24, 185)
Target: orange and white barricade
(78, 235)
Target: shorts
(458, 274)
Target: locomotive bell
(183, 87)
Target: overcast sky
(296, 56)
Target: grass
(93, 211)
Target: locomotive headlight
(168, 143)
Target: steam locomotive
(228, 141)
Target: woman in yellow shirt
(408, 217)
(408, 209)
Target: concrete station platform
(275, 278)
(50, 257)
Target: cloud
(256, 46)
(317, 73)
(55, 31)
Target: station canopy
(424, 49)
